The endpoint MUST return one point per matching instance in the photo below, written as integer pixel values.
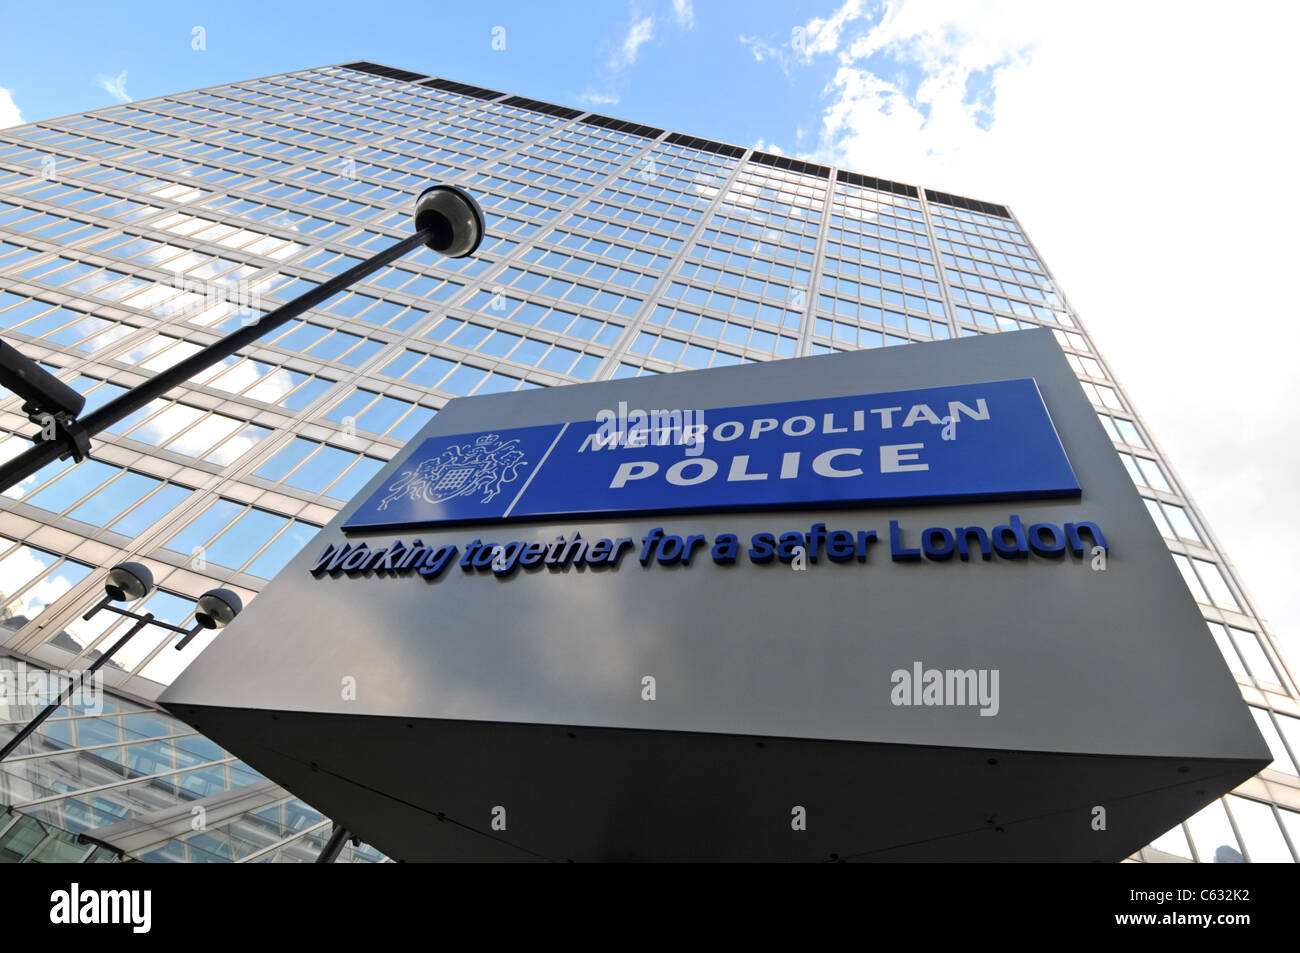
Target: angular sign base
(429, 790)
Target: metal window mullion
(618, 349)
(224, 762)
(14, 818)
(16, 759)
(1236, 831)
(299, 835)
(70, 718)
(804, 345)
(949, 305)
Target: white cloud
(17, 570)
(758, 46)
(822, 34)
(684, 11)
(593, 98)
(638, 34)
(115, 86)
(9, 114)
(1147, 150)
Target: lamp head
(41, 391)
(453, 218)
(216, 608)
(128, 582)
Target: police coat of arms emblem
(460, 470)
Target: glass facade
(133, 235)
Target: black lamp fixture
(216, 609)
(131, 582)
(128, 582)
(451, 219)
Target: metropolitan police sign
(898, 604)
(985, 441)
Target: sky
(1143, 146)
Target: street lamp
(216, 609)
(130, 582)
(451, 219)
(41, 391)
(447, 220)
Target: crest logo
(485, 465)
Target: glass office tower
(133, 235)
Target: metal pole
(334, 846)
(76, 682)
(46, 452)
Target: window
(107, 504)
(1261, 833)
(1282, 760)
(212, 521)
(151, 510)
(318, 468)
(1213, 837)
(275, 557)
(31, 579)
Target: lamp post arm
(73, 685)
(46, 452)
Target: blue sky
(682, 75)
(1145, 148)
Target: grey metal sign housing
(755, 710)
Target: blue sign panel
(986, 441)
